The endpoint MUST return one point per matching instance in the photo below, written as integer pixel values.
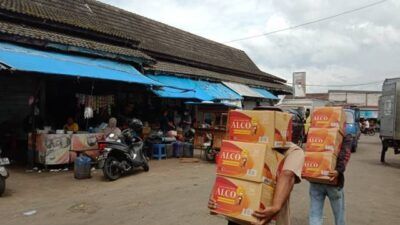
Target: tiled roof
(71, 12)
(53, 37)
(173, 68)
(154, 37)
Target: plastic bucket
(169, 150)
(178, 149)
(82, 167)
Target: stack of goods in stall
(247, 165)
(324, 142)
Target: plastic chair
(159, 151)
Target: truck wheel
(383, 155)
(385, 147)
(2, 185)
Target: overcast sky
(360, 47)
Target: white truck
(389, 115)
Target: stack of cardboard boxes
(324, 142)
(247, 165)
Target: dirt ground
(175, 193)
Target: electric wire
(308, 23)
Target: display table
(57, 149)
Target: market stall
(210, 127)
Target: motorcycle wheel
(371, 132)
(210, 155)
(2, 185)
(146, 167)
(110, 171)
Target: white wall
(357, 99)
(337, 97)
(373, 99)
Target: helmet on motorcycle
(136, 125)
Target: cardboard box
(317, 166)
(238, 199)
(324, 140)
(269, 127)
(249, 161)
(329, 117)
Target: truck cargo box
(389, 113)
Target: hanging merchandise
(88, 113)
(96, 103)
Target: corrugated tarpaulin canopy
(197, 89)
(265, 93)
(31, 60)
(243, 90)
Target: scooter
(3, 173)
(368, 131)
(122, 154)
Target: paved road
(174, 193)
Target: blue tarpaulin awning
(196, 89)
(265, 93)
(178, 82)
(218, 91)
(32, 60)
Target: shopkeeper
(112, 128)
(71, 125)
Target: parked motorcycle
(3, 173)
(123, 154)
(211, 153)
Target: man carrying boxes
(327, 154)
(256, 169)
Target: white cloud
(355, 48)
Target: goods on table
(324, 143)
(248, 161)
(324, 140)
(239, 199)
(328, 117)
(270, 127)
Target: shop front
(58, 105)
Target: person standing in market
(334, 191)
(187, 121)
(166, 123)
(287, 177)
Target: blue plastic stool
(159, 151)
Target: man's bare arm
(284, 187)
